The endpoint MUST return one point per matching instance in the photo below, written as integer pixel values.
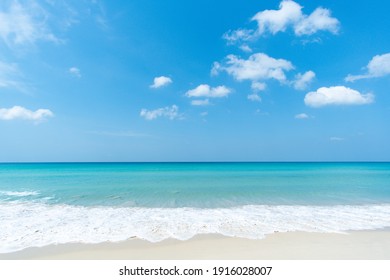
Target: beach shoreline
(353, 245)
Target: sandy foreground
(361, 245)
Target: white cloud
(301, 116)
(337, 95)
(233, 36)
(24, 24)
(258, 66)
(18, 112)
(378, 66)
(288, 15)
(99, 13)
(318, 20)
(258, 86)
(275, 21)
(215, 69)
(254, 97)
(337, 139)
(167, 112)
(303, 80)
(68, 13)
(10, 76)
(261, 113)
(245, 48)
(74, 71)
(200, 102)
(205, 90)
(161, 82)
(316, 40)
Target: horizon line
(138, 162)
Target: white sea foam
(18, 194)
(27, 224)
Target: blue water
(198, 184)
(95, 202)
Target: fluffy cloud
(303, 80)
(161, 82)
(289, 15)
(338, 95)
(258, 66)
(200, 102)
(318, 20)
(301, 116)
(167, 112)
(254, 97)
(74, 71)
(18, 112)
(205, 90)
(24, 24)
(275, 21)
(378, 66)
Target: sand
(357, 245)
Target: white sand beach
(356, 245)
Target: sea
(57, 203)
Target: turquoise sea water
(45, 203)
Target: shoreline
(353, 245)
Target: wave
(19, 194)
(32, 224)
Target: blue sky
(189, 80)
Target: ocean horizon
(93, 202)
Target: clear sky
(172, 80)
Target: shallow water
(42, 204)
